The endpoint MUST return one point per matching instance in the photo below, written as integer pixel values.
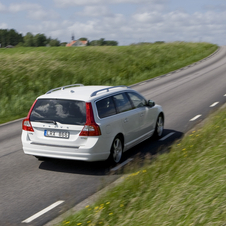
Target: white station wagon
(89, 123)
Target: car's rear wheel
(159, 127)
(116, 150)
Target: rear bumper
(65, 153)
(97, 149)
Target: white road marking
(214, 104)
(122, 164)
(28, 220)
(224, 95)
(196, 117)
(167, 136)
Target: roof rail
(107, 89)
(63, 87)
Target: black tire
(159, 127)
(116, 150)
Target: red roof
(73, 42)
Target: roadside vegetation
(185, 186)
(29, 72)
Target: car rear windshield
(63, 111)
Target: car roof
(82, 93)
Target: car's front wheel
(159, 127)
(116, 150)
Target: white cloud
(15, 7)
(44, 27)
(148, 17)
(42, 15)
(90, 28)
(33, 11)
(3, 26)
(67, 3)
(95, 11)
(115, 23)
(179, 25)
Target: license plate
(58, 134)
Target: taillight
(26, 125)
(90, 128)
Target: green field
(26, 73)
(185, 186)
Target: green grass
(185, 186)
(26, 73)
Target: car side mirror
(151, 103)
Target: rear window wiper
(46, 121)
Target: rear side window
(122, 102)
(106, 107)
(63, 111)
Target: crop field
(26, 73)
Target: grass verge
(183, 187)
(29, 72)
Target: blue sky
(126, 21)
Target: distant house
(77, 43)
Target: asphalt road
(28, 186)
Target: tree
(94, 43)
(39, 40)
(103, 42)
(29, 39)
(13, 37)
(111, 43)
(63, 43)
(83, 39)
(10, 37)
(54, 42)
(3, 37)
(159, 42)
